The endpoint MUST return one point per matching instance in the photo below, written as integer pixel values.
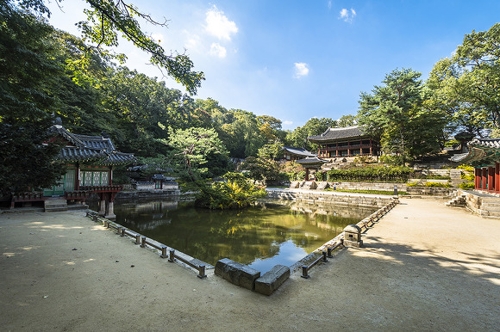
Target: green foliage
(431, 184)
(191, 150)
(467, 185)
(398, 114)
(27, 78)
(314, 126)
(235, 192)
(371, 174)
(466, 84)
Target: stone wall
(329, 197)
(483, 204)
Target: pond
(274, 232)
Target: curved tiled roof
(482, 152)
(311, 161)
(299, 151)
(334, 134)
(96, 149)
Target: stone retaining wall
(329, 197)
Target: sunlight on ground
(9, 254)
(89, 260)
(69, 263)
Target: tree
(397, 114)
(27, 78)
(347, 121)
(191, 149)
(314, 126)
(467, 84)
(105, 19)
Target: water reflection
(275, 232)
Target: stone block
(236, 273)
(272, 279)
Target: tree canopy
(396, 112)
(467, 84)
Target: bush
(235, 192)
(371, 174)
(437, 185)
(466, 185)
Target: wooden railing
(103, 189)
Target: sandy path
(425, 267)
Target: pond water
(274, 232)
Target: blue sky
(295, 60)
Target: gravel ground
(424, 267)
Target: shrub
(371, 174)
(466, 185)
(437, 185)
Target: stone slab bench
(236, 273)
(272, 279)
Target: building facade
(345, 142)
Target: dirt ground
(424, 267)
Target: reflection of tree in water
(241, 235)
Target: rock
(272, 279)
(236, 273)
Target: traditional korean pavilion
(484, 155)
(311, 163)
(345, 142)
(90, 161)
(291, 153)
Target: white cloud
(217, 50)
(218, 25)
(301, 69)
(347, 15)
(287, 122)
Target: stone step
(55, 204)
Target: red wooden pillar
(477, 178)
(484, 178)
(497, 177)
(491, 179)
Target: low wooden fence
(364, 225)
(145, 242)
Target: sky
(299, 59)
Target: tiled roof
(485, 142)
(311, 161)
(96, 149)
(298, 151)
(338, 134)
(482, 152)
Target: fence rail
(145, 242)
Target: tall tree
(396, 113)
(467, 85)
(106, 19)
(27, 77)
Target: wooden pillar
(491, 179)
(497, 177)
(484, 179)
(307, 174)
(477, 179)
